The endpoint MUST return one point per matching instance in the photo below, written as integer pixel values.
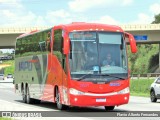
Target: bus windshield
(97, 55)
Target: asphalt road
(12, 102)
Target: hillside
(145, 60)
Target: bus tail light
(75, 92)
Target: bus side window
(18, 47)
(58, 48)
(57, 45)
(42, 42)
(48, 40)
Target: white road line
(12, 106)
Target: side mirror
(132, 42)
(66, 44)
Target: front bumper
(87, 100)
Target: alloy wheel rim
(152, 95)
(58, 100)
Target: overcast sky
(17, 13)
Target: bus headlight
(75, 92)
(124, 91)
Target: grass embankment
(10, 68)
(1, 118)
(140, 87)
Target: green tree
(157, 19)
(141, 61)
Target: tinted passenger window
(58, 44)
(34, 44)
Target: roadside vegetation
(140, 87)
(9, 69)
(145, 60)
(2, 118)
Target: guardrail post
(138, 76)
(148, 76)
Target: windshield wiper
(84, 76)
(113, 76)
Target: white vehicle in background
(155, 90)
(1, 76)
(9, 76)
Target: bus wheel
(37, 101)
(24, 96)
(108, 108)
(28, 99)
(58, 101)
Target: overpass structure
(8, 35)
(144, 33)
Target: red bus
(67, 65)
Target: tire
(28, 99)
(109, 108)
(24, 99)
(36, 101)
(60, 106)
(153, 96)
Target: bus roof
(30, 33)
(81, 26)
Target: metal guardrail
(148, 75)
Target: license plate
(101, 100)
